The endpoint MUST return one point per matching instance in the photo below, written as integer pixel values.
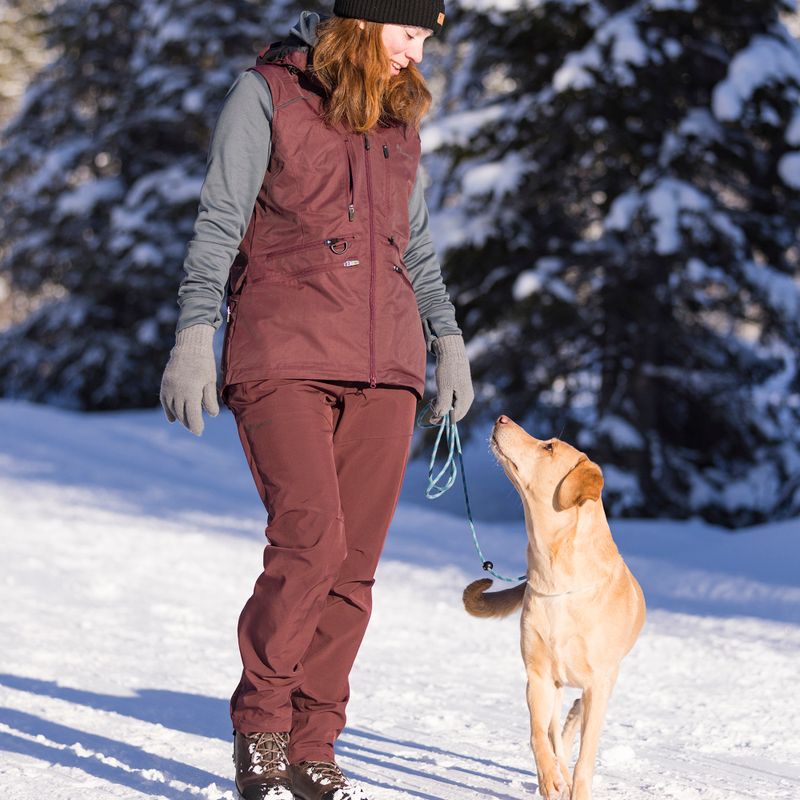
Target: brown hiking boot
(322, 780)
(262, 769)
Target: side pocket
(291, 265)
(226, 345)
(398, 262)
(230, 328)
(403, 274)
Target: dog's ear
(583, 482)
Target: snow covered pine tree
(618, 186)
(100, 174)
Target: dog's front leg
(594, 703)
(541, 701)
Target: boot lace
(268, 752)
(326, 773)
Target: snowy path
(118, 646)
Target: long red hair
(352, 65)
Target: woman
(312, 211)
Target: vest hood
(305, 29)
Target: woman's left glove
(453, 380)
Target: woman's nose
(414, 52)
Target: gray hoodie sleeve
(437, 312)
(237, 161)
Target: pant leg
(371, 446)
(287, 429)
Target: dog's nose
(503, 419)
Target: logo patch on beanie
(440, 18)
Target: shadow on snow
(127, 765)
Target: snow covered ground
(129, 548)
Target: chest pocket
(399, 173)
(295, 264)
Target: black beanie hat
(420, 13)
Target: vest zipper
(351, 208)
(373, 378)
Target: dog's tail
(496, 604)
(571, 726)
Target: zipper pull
(351, 212)
(366, 141)
(386, 151)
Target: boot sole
(242, 797)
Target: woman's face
(403, 43)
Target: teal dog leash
(449, 429)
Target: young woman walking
(312, 213)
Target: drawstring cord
(449, 429)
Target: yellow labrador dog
(582, 609)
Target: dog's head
(549, 471)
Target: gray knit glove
(453, 381)
(189, 383)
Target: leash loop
(449, 429)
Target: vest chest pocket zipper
(351, 199)
(387, 178)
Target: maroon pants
(328, 460)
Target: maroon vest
(319, 288)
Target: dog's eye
(549, 447)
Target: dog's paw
(581, 790)
(565, 774)
(551, 784)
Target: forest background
(614, 195)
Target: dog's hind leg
(571, 727)
(593, 705)
(555, 738)
(541, 700)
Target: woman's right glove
(189, 383)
